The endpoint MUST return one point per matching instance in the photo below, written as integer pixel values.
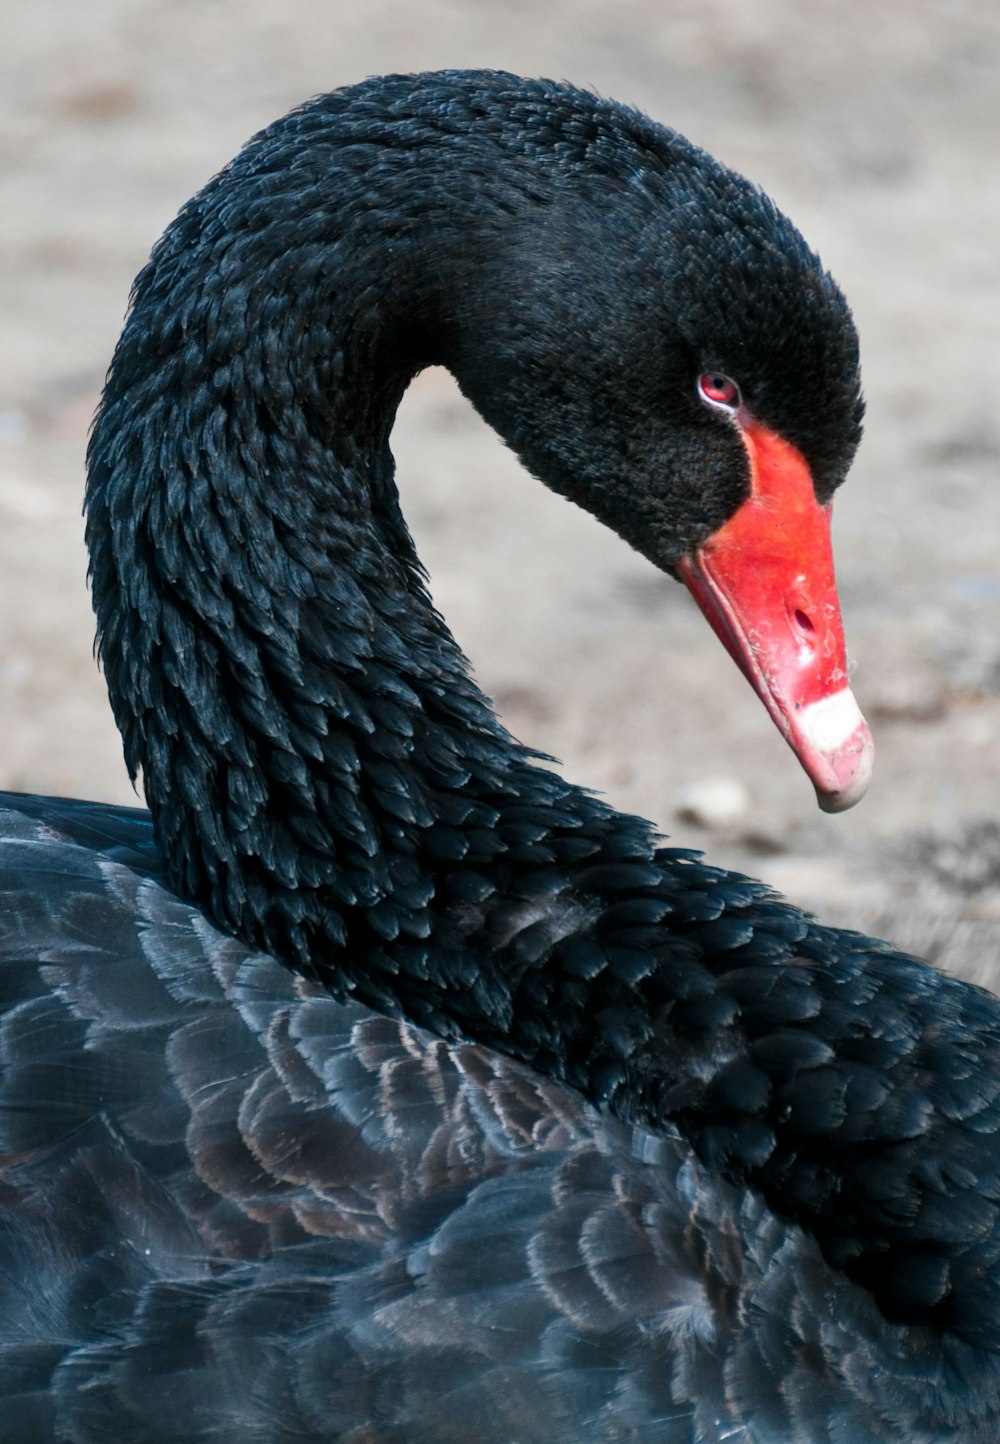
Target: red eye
(719, 390)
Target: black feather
(380, 1085)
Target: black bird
(378, 1085)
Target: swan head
(659, 344)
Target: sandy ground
(876, 127)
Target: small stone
(714, 802)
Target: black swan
(378, 1085)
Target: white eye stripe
(719, 391)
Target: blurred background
(877, 128)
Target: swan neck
(308, 734)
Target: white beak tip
(835, 745)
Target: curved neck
(311, 744)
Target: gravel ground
(876, 127)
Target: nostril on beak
(803, 621)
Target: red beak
(765, 582)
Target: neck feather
(313, 749)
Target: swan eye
(719, 390)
